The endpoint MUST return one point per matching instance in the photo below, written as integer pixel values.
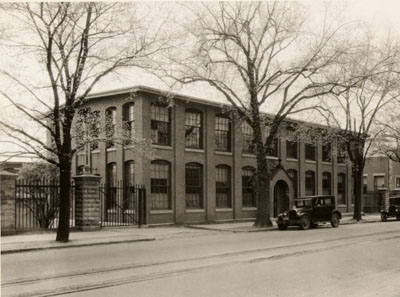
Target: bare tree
(359, 108)
(388, 142)
(76, 44)
(258, 56)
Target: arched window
(293, 175)
(129, 122)
(223, 186)
(111, 122)
(248, 193)
(326, 183)
(160, 185)
(129, 185)
(160, 124)
(193, 129)
(310, 183)
(194, 185)
(111, 179)
(223, 133)
(341, 188)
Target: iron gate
(122, 205)
(37, 204)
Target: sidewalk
(43, 241)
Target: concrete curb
(72, 245)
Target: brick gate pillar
(87, 202)
(7, 194)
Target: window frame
(198, 188)
(307, 179)
(226, 135)
(326, 181)
(291, 144)
(166, 204)
(197, 142)
(247, 138)
(249, 198)
(111, 126)
(156, 122)
(223, 189)
(129, 123)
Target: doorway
(281, 197)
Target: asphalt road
(353, 260)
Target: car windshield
(394, 201)
(303, 202)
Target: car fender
(337, 212)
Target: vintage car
(309, 211)
(393, 211)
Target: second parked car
(309, 212)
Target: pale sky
(382, 16)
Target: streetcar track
(164, 274)
(33, 280)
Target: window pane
(248, 193)
(160, 125)
(223, 134)
(326, 183)
(223, 194)
(310, 183)
(160, 186)
(341, 188)
(247, 137)
(194, 186)
(193, 129)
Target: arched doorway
(281, 197)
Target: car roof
(317, 196)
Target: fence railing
(122, 204)
(37, 204)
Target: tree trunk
(358, 179)
(263, 190)
(65, 194)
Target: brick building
(203, 163)
(381, 172)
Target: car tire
(305, 222)
(335, 221)
(383, 217)
(282, 227)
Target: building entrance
(281, 197)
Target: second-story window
(247, 138)
(341, 153)
(129, 122)
(272, 151)
(326, 153)
(222, 134)
(310, 150)
(111, 122)
(160, 124)
(291, 144)
(193, 129)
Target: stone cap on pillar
(87, 176)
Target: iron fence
(372, 201)
(37, 204)
(122, 205)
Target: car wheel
(335, 221)
(305, 222)
(383, 217)
(282, 227)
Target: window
(160, 124)
(193, 129)
(326, 183)
(222, 133)
(397, 183)
(129, 122)
(365, 184)
(293, 175)
(95, 129)
(310, 150)
(310, 183)
(273, 150)
(80, 170)
(326, 153)
(160, 185)
(379, 182)
(129, 183)
(341, 188)
(248, 193)
(247, 138)
(111, 121)
(291, 144)
(341, 153)
(223, 186)
(111, 179)
(194, 185)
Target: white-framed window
(397, 182)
